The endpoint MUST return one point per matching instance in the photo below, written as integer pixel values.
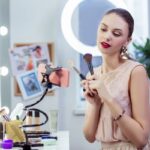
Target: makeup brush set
(88, 59)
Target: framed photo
(25, 58)
(29, 85)
(17, 90)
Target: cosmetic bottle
(29, 119)
(7, 144)
(37, 120)
(1, 131)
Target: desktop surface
(61, 144)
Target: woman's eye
(102, 29)
(116, 34)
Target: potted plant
(142, 54)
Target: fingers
(87, 87)
(89, 78)
(83, 82)
(89, 92)
(84, 89)
(92, 77)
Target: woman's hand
(98, 85)
(91, 95)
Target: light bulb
(3, 30)
(3, 71)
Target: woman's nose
(108, 36)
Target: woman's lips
(105, 45)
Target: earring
(123, 49)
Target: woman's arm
(92, 113)
(91, 121)
(137, 128)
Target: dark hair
(126, 16)
(37, 47)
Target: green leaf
(145, 57)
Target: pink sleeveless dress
(117, 82)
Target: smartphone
(57, 76)
(60, 77)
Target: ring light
(67, 31)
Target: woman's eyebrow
(104, 24)
(118, 29)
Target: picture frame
(17, 91)
(29, 85)
(26, 58)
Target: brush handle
(90, 66)
(78, 72)
(82, 76)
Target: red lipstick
(105, 45)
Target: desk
(62, 142)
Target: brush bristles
(88, 57)
(71, 64)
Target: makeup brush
(4, 111)
(71, 64)
(88, 59)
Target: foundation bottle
(37, 120)
(29, 119)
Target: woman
(118, 93)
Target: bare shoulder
(139, 71)
(139, 79)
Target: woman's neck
(111, 64)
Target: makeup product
(71, 64)
(1, 131)
(88, 58)
(28, 120)
(37, 120)
(4, 111)
(50, 137)
(53, 120)
(7, 144)
(17, 111)
(13, 131)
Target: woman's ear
(128, 41)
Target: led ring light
(67, 29)
(68, 33)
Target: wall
(4, 60)
(39, 21)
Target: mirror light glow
(118, 3)
(3, 71)
(67, 31)
(3, 30)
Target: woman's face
(112, 34)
